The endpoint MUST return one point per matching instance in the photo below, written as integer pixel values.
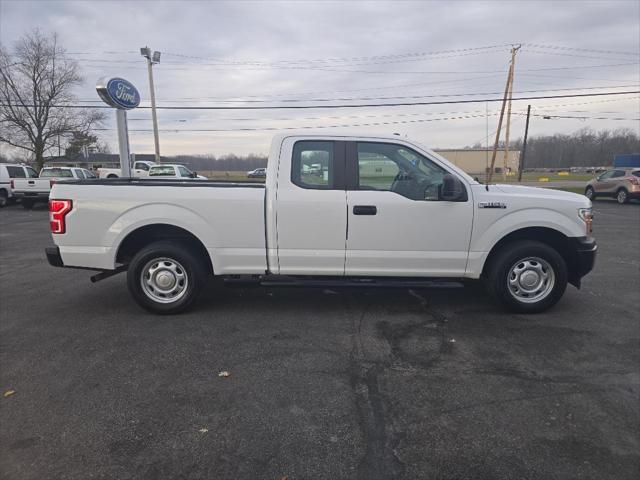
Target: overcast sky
(270, 53)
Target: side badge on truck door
(492, 205)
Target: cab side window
(162, 171)
(31, 173)
(313, 165)
(398, 169)
(141, 166)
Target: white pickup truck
(33, 190)
(140, 169)
(372, 210)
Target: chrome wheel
(622, 196)
(164, 280)
(530, 280)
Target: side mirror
(452, 189)
(194, 174)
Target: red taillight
(13, 185)
(58, 210)
(634, 180)
(51, 183)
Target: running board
(368, 282)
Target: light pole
(152, 59)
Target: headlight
(586, 214)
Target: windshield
(56, 172)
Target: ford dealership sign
(118, 92)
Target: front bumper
(53, 256)
(583, 258)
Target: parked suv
(9, 171)
(619, 183)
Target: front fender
(488, 232)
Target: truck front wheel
(528, 276)
(165, 278)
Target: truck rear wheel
(528, 276)
(165, 277)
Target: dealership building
(478, 161)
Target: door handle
(365, 210)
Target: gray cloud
(267, 32)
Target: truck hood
(525, 191)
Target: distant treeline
(583, 148)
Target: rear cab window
(56, 172)
(312, 164)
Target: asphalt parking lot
(324, 384)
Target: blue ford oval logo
(119, 93)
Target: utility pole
(152, 59)
(508, 129)
(506, 97)
(524, 144)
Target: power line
(558, 47)
(361, 105)
(404, 97)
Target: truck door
(397, 226)
(311, 207)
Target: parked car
(33, 190)
(168, 171)
(622, 184)
(140, 169)
(9, 171)
(257, 173)
(424, 220)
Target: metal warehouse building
(478, 161)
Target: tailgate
(33, 185)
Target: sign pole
(121, 95)
(123, 142)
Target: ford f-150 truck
(355, 210)
(139, 169)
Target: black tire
(622, 196)
(165, 252)
(27, 204)
(4, 198)
(521, 254)
(590, 193)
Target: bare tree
(36, 84)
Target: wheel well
(5, 191)
(549, 236)
(143, 236)
(112, 175)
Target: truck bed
(227, 218)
